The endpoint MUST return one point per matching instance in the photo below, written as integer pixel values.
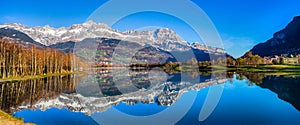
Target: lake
(120, 96)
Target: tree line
(18, 61)
(251, 59)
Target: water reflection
(15, 95)
(287, 87)
(101, 89)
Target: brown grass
(6, 119)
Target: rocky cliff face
(285, 41)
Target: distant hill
(66, 47)
(151, 54)
(19, 37)
(103, 50)
(285, 41)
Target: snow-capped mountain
(164, 38)
(47, 35)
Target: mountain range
(163, 41)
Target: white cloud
(237, 46)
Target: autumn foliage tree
(250, 59)
(16, 61)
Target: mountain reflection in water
(99, 90)
(286, 87)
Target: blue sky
(241, 24)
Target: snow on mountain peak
(164, 38)
(47, 35)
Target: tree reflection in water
(110, 87)
(15, 94)
(286, 87)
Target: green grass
(269, 68)
(280, 66)
(19, 78)
(283, 69)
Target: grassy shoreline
(288, 68)
(7, 119)
(278, 69)
(15, 79)
(266, 68)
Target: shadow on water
(286, 87)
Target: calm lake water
(153, 97)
